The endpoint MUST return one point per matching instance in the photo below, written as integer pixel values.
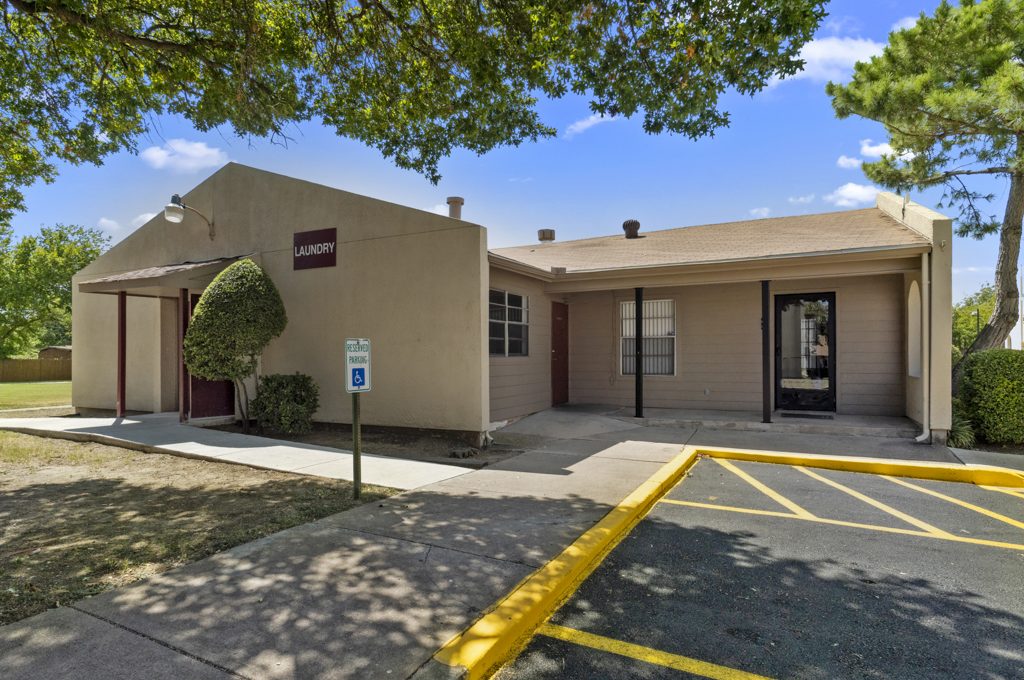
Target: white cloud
(882, 149)
(520, 180)
(833, 58)
(801, 200)
(142, 218)
(181, 155)
(585, 124)
(440, 209)
(904, 23)
(760, 213)
(842, 24)
(875, 150)
(108, 225)
(973, 270)
(851, 195)
(848, 163)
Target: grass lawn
(32, 394)
(77, 519)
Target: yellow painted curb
(970, 474)
(514, 619)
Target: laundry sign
(317, 248)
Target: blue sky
(780, 156)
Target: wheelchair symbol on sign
(358, 377)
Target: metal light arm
(176, 203)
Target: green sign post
(357, 381)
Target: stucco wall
(718, 349)
(718, 360)
(522, 385)
(411, 281)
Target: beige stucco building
(845, 313)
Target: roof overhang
(852, 262)
(162, 281)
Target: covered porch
(149, 373)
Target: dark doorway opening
(805, 352)
(559, 353)
(210, 398)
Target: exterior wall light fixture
(174, 212)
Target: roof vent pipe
(545, 235)
(455, 204)
(632, 228)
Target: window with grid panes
(659, 337)
(509, 324)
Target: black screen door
(805, 352)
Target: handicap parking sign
(357, 365)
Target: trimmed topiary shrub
(239, 313)
(286, 403)
(993, 395)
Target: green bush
(286, 403)
(993, 394)
(961, 434)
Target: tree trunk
(1005, 314)
(242, 395)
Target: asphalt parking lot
(748, 570)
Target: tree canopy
(950, 93)
(414, 78)
(970, 313)
(35, 283)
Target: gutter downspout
(926, 354)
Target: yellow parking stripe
(875, 503)
(730, 508)
(854, 525)
(965, 504)
(1012, 492)
(774, 495)
(646, 654)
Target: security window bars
(509, 324)
(659, 337)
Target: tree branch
(34, 8)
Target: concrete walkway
(162, 433)
(375, 591)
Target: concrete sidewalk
(369, 593)
(162, 433)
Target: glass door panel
(804, 352)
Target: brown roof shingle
(866, 229)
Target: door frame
(833, 353)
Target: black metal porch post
(766, 353)
(638, 352)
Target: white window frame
(525, 323)
(673, 334)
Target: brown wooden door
(559, 353)
(210, 398)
